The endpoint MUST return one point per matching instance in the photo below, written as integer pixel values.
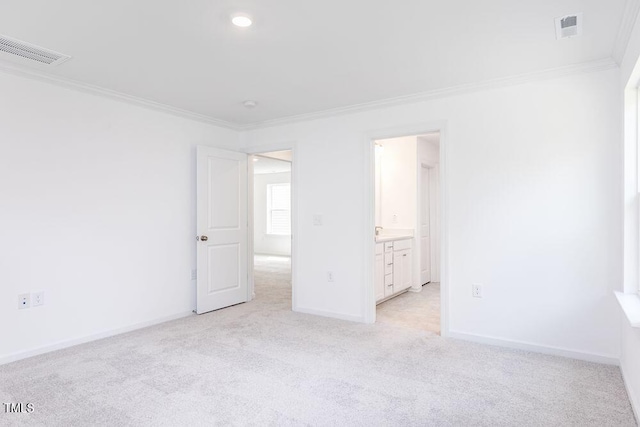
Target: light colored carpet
(415, 310)
(261, 364)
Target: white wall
(534, 209)
(264, 243)
(398, 182)
(97, 209)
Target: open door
(222, 229)
(425, 226)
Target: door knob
(204, 238)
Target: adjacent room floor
(260, 363)
(273, 281)
(414, 310)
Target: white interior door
(222, 229)
(425, 227)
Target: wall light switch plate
(24, 301)
(194, 274)
(37, 298)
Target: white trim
(536, 348)
(629, 160)
(630, 304)
(369, 224)
(633, 397)
(269, 147)
(585, 67)
(629, 16)
(369, 244)
(88, 338)
(251, 288)
(331, 314)
(112, 94)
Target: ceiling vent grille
(31, 52)
(569, 26)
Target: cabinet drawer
(402, 244)
(388, 269)
(388, 259)
(388, 279)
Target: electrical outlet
(37, 298)
(395, 219)
(317, 219)
(476, 290)
(330, 276)
(24, 301)
(194, 274)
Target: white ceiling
(281, 155)
(302, 57)
(268, 165)
(430, 138)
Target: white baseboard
(278, 254)
(633, 397)
(325, 313)
(12, 357)
(536, 348)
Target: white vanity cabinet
(402, 270)
(379, 275)
(388, 269)
(393, 268)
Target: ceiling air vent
(569, 26)
(17, 48)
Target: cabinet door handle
(390, 285)
(404, 254)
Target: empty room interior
(272, 227)
(234, 212)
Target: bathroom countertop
(390, 237)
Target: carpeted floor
(261, 364)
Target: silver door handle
(203, 238)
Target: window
(279, 209)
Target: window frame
(269, 226)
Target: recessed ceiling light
(250, 104)
(255, 159)
(240, 20)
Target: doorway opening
(270, 219)
(407, 237)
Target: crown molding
(629, 16)
(585, 67)
(119, 96)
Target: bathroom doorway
(407, 243)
